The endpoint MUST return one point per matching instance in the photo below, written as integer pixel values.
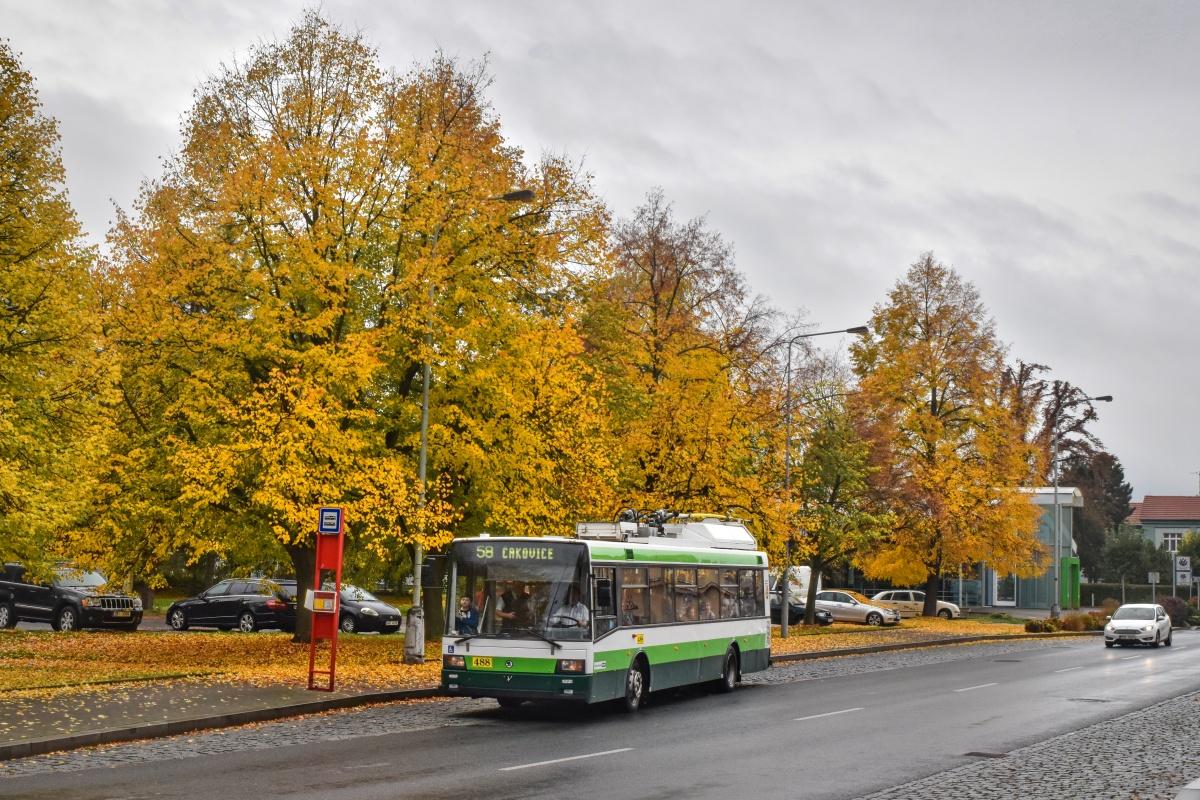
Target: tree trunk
(304, 564)
(931, 592)
(815, 567)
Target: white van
(799, 578)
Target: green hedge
(1134, 593)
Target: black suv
(74, 599)
(243, 603)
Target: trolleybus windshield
(521, 590)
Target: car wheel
(177, 620)
(635, 686)
(8, 616)
(246, 623)
(944, 613)
(66, 619)
(874, 618)
(729, 674)
(349, 624)
(1109, 644)
(1167, 641)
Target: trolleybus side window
(686, 609)
(606, 610)
(635, 596)
(746, 592)
(662, 606)
(760, 602)
(710, 593)
(729, 588)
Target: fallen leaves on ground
(802, 639)
(45, 664)
(36, 662)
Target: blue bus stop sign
(329, 521)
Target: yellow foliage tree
(680, 344)
(326, 231)
(951, 456)
(53, 367)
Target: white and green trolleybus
(623, 609)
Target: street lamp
(414, 626)
(1056, 604)
(784, 607)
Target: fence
(1094, 594)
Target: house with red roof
(1164, 519)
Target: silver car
(910, 603)
(1138, 623)
(849, 606)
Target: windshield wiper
(553, 644)
(467, 638)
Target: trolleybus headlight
(454, 662)
(570, 665)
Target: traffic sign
(1153, 578)
(1183, 577)
(1183, 563)
(329, 521)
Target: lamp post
(784, 607)
(414, 626)
(1056, 601)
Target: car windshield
(1128, 612)
(358, 595)
(78, 579)
(520, 590)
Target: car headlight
(1147, 628)
(87, 602)
(1109, 628)
(370, 612)
(137, 604)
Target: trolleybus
(622, 609)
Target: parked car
(362, 612)
(72, 600)
(796, 614)
(850, 606)
(1138, 623)
(247, 604)
(910, 603)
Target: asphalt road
(836, 737)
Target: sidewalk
(30, 726)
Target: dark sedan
(362, 612)
(796, 615)
(247, 604)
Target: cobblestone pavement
(1145, 755)
(1112, 759)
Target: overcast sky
(1047, 151)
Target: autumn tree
(53, 367)
(949, 451)
(680, 342)
(1106, 495)
(328, 229)
(830, 484)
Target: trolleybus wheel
(729, 674)
(635, 686)
(509, 703)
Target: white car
(910, 603)
(1138, 623)
(848, 606)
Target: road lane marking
(568, 758)
(1130, 658)
(1067, 669)
(980, 686)
(368, 766)
(827, 714)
